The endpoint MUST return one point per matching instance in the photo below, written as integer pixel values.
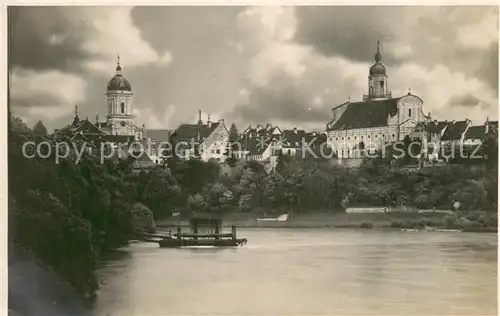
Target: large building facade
(377, 120)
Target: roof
(84, 127)
(366, 114)
(475, 132)
(454, 130)
(315, 142)
(160, 135)
(435, 127)
(255, 146)
(293, 138)
(186, 132)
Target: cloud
(79, 38)
(113, 32)
(48, 89)
(44, 38)
(285, 65)
(153, 121)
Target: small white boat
(281, 218)
(410, 230)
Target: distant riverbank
(392, 220)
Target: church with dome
(120, 108)
(375, 121)
(118, 125)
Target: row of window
(351, 154)
(362, 137)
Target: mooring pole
(195, 231)
(179, 233)
(233, 232)
(217, 231)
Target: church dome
(119, 82)
(377, 69)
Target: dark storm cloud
(343, 31)
(280, 100)
(38, 100)
(205, 70)
(43, 38)
(430, 32)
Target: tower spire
(378, 55)
(118, 66)
(200, 122)
(76, 119)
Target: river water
(307, 272)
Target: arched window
(122, 107)
(409, 112)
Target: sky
(250, 65)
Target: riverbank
(392, 220)
(36, 290)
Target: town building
(379, 119)
(204, 140)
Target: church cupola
(377, 79)
(120, 104)
(119, 82)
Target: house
(474, 135)
(431, 140)
(159, 145)
(206, 140)
(455, 132)
(292, 141)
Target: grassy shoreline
(342, 220)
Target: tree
(39, 128)
(233, 134)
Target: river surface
(307, 272)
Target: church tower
(120, 117)
(377, 80)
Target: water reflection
(307, 272)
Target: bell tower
(119, 96)
(377, 79)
